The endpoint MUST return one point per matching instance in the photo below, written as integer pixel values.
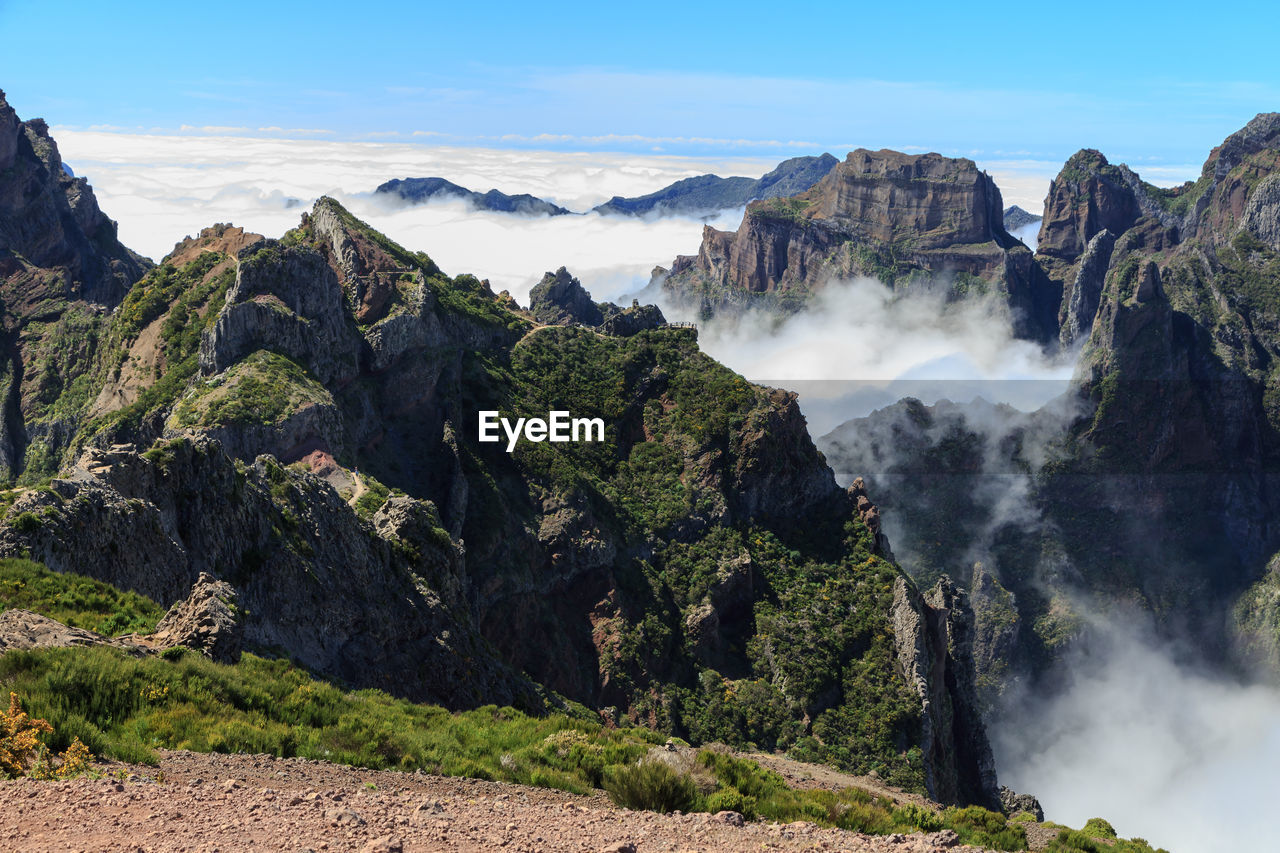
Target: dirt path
(801, 775)
(230, 803)
(358, 489)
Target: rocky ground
(195, 802)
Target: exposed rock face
(22, 629)
(934, 636)
(61, 269)
(1088, 196)
(560, 298)
(1013, 803)
(420, 190)
(1262, 214)
(1086, 289)
(206, 621)
(870, 515)
(288, 300)
(708, 193)
(355, 610)
(906, 219)
(52, 221)
(634, 320)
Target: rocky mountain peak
(560, 298)
(900, 218)
(1261, 133)
(52, 221)
(1088, 196)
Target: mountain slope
(299, 417)
(61, 270)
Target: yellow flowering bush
(23, 754)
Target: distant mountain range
(711, 192)
(700, 194)
(419, 190)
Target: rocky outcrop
(1262, 213)
(934, 641)
(50, 221)
(421, 190)
(311, 577)
(561, 299)
(869, 513)
(1086, 290)
(709, 193)
(206, 621)
(1088, 196)
(1012, 803)
(22, 629)
(288, 300)
(909, 220)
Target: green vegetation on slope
(805, 629)
(75, 600)
(263, 388)
(192, 294)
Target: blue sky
(1144, 82)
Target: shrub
(977, 826)
(650, 785)
(912, 817)
(23, 753)
(19, 738)
(732, 800)
(1098, 828)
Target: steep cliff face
(935, 634)
(50, 224)
(61, 269)
(1155, 487)
(909, 220)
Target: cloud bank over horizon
(162, 188)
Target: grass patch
(261, 389)
(75, 600)
(124, 708)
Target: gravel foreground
(224, 803)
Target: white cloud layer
(859, 346)
(162, 188)
(1184, 759)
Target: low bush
(23, 752)
(75, 600)
(650, 785)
